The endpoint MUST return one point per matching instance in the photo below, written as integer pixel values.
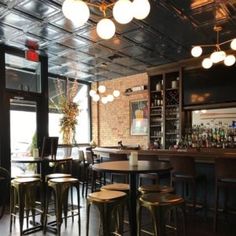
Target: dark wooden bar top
(206, 155)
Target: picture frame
(139, 117)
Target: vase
(67, 135)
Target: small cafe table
(133, 171)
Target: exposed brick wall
(111, 122)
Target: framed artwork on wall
(139, 117)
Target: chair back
(89, 157)
(4, 174)
(225, 168)
(183, 165)
(49, 147)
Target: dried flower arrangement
(70, 111)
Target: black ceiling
(165, 36)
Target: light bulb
(110, 98)
(203, 111)
(207, 63)
(229, 60)
(92, 92)
(196, 112)
(196, 51)
(101, 88)
(122, 11)
(96, 97)
(104, 100)
(106, 28)
(217, 56)
(76, 11)
(116, 93)
(233, 44)
(141, 9)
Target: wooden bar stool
(184, 172)
(60, 187)
(225, 178)
(23, 196)
(155, 188)
(110, 205)
(159, 205)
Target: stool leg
(12, 206)
(78, 203)
(65, 204)
(21, 204)
(216, 208)
(88, 215)
(59, 203)
(139, 218)
(72, 206)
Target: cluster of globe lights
(217, 56)
(105, 99)
(123, 12)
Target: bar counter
(205, 155)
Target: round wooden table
(132, 171)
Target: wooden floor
(196, 226)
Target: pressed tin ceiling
(165, 36)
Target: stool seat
(63, 180)
(24, 180)
(116, 187)
(155, 188)
(57, 175)
(104, 196)
(29, 176)
(161, 199)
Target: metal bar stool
(225, 178)
(109, 205)
(23, 196)
(159, 205)
(184, 172)
(119, 187)
(4, 185)
(60, 187)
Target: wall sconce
(96, 96)
(218, 55)
(123, 12)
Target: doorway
(23, 134)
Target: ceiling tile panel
(74, 42)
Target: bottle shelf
(156, 91)
(155, 126)
(171, 89)
(172, 119)
(155, 114)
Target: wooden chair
(225, 178)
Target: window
(59, 88)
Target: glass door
(23, 128)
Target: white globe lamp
(110, 98)
(76, 11)
(96, 98)
(233, 44)
(229, 60)
(92, 92)
(122, 11)
(196, 51)
(101, 89)
(116, 93)
(207, 63)
(104, 100)
(106, 29)
(141, 9)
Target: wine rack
(165, 110)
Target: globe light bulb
(92, 92)
(104, 100)
(233, 44)
(110, 98)
(217, 56)
(101, 89)
(229, 60)
(76, 11)
(141, 9)
(122, 11)
(196, 51)
(96, 97)
(116, 93)
(207, 63)
(106, 29)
